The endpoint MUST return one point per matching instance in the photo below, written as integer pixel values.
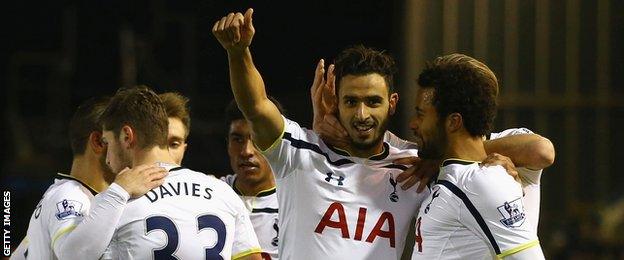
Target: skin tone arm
(526, 150)
(235, 33)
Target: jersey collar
(69, 177)
(380, 156)
(456, 161)
(262, 193)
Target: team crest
(435, 194)
(513, 213)
(68, 209)
(393, 195)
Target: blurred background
(558, 62)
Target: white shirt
(333, 206)
(71, 222)
(190, 216)
(263, 212)
(474, 212)
(530, 180)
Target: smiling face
(427, 127)
(364, 106)
(246, 161)
(176, 139)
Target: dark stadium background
(58, 53)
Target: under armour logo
(331, 177)
(275, 240)
(393, 196)
(435, 194)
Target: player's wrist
(119, 192)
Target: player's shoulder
(298, 135)
(490, 181)
(400, 152)
(67, 187)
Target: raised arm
(235, 33)
(531, 151)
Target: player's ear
(394, 100)
(95, 142)
(127, 136)
(454, 122)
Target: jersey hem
(518, 249)
(62, 232)
(247, 252)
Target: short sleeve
(65, 210)
(285, 153)
(497, 200)
(510, 132)
(245, 240)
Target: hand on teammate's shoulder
(139, 180)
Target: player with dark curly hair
(474, 211)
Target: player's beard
(109, 175)
(377, 138)
(433, 148)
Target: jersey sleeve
(530, 180)
(89, 238)
(498, 214)
(66, 210)
(285, 154)
(245, 240)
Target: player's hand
(139, 180)
(324, 106)
(499, 159)
(421, 171)
(235, 31)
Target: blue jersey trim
(475, 213)
(300, 144)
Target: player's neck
(88, 171)
(465, 147)
(152, 155)
(366, 153)
(252, 189)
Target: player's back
(474, 212)
(190, 216)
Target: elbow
(544, 153)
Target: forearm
(247, 84)
(525, 150)
(91, 237)
(251, 98)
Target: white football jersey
(530, 180)
(334, 206)
(61, 209)
(190, 216)
(263, 211)
(474, 212)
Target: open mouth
(364, 129)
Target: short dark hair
(232, 113)
(176, 106)
(359, 60)
(463, 85)
(84, 122)
(142, 109)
